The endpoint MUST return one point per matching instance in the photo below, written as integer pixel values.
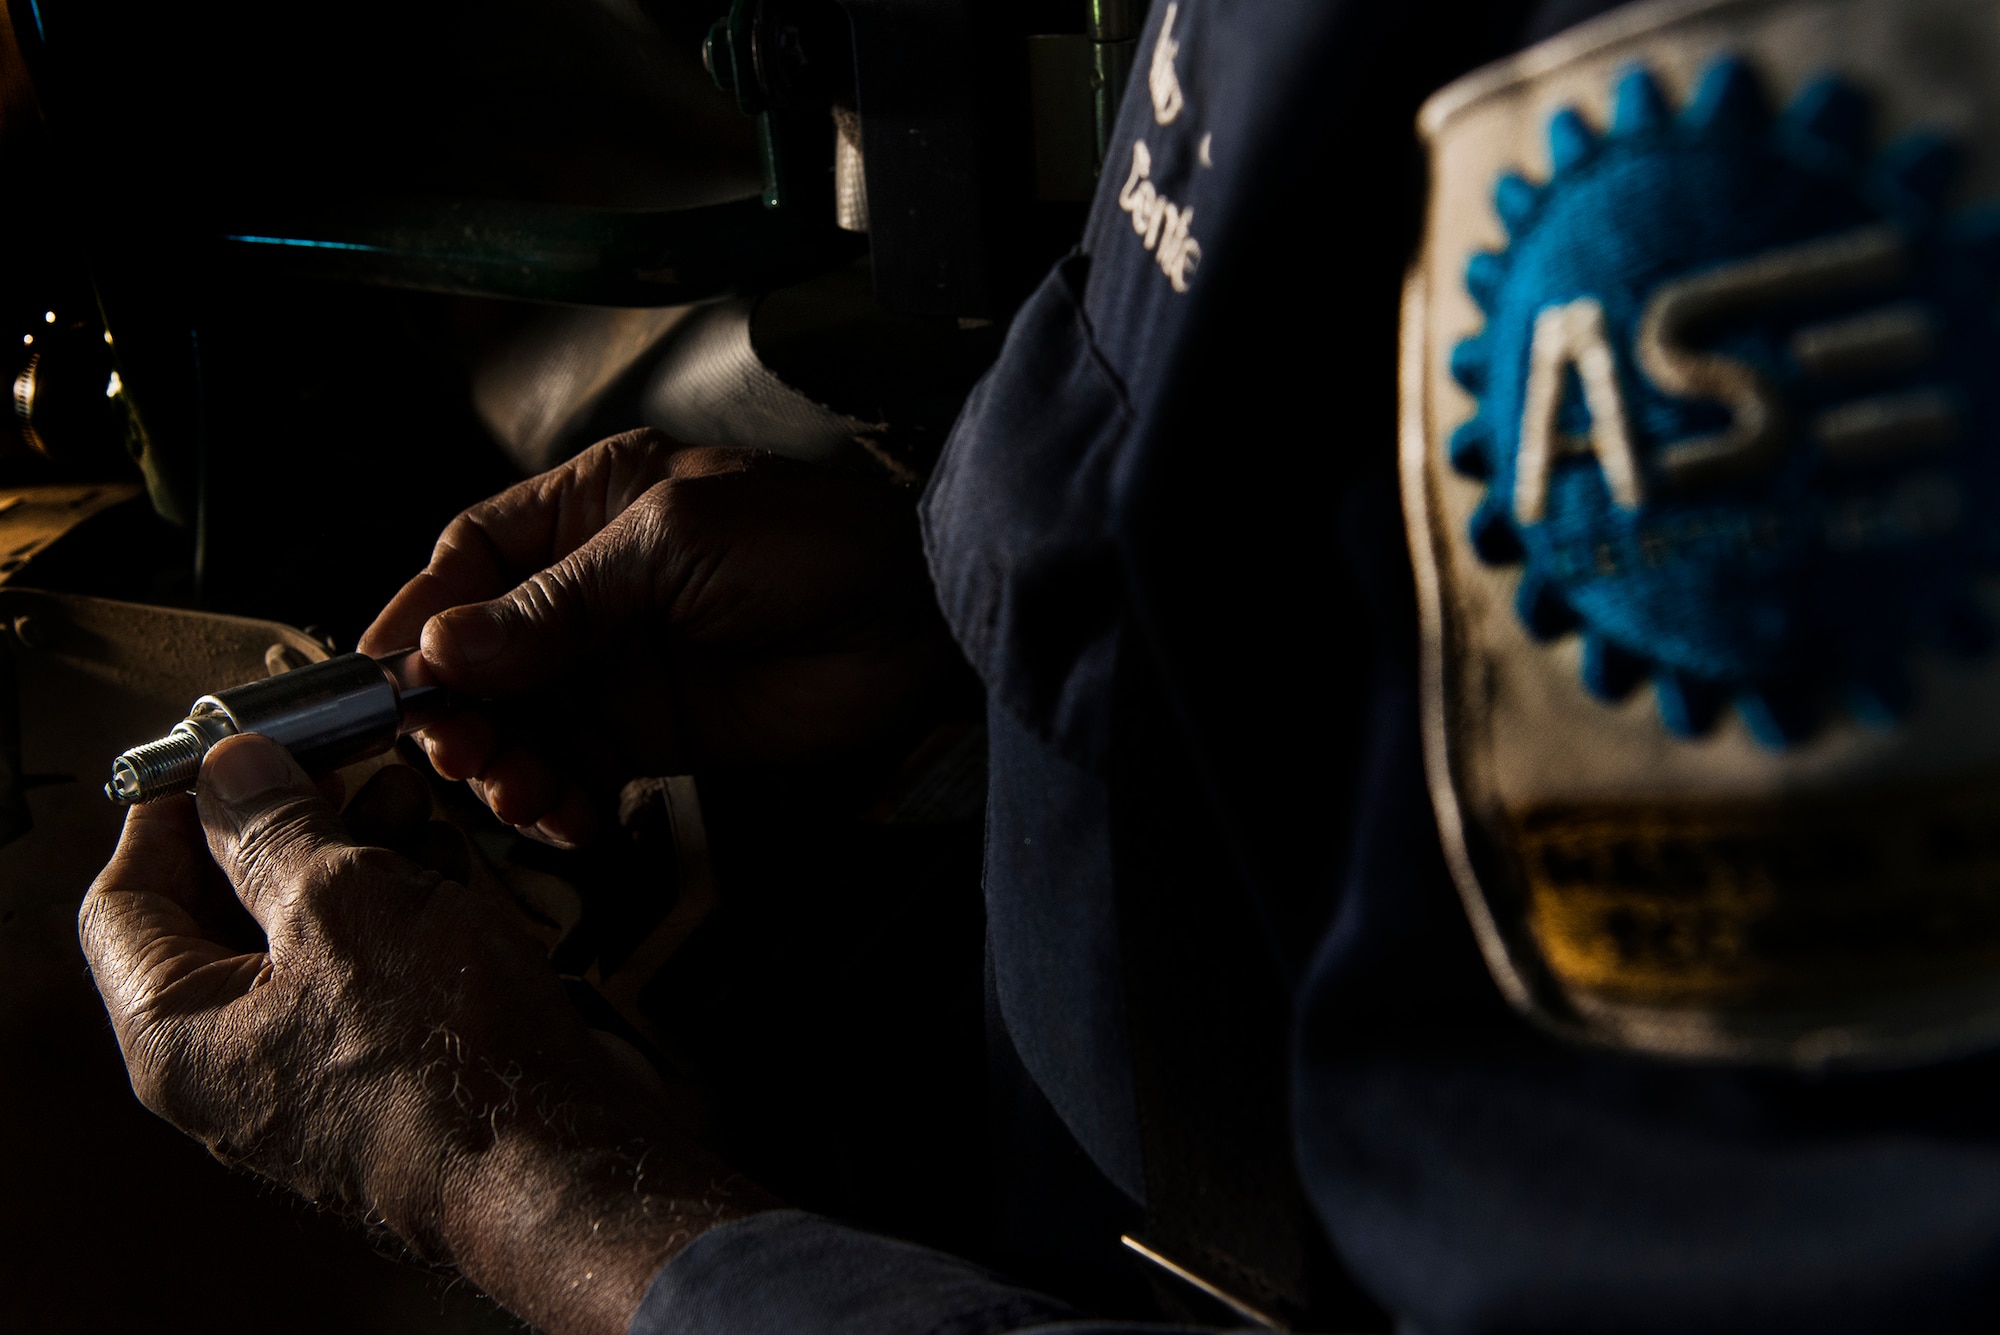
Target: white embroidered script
(1162, 225)
(1161, 80)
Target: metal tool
(326, 714)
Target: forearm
(568, 1235)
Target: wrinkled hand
(650, 608)
(388, 1043)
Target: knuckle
(153, 1060)
(655, 518)
(463, 532)
(89, 923)
(334, 875)
(350, 893)
(370, 866)
(632, 463)
(662, 500)
(318, 878)
(277, 844)
(552, 598)
(150, 1087)
(641, 446)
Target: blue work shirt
(1166, 533)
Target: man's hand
(389, 1043)
(648, 608)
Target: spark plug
(326, 714)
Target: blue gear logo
(1736, 394)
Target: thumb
(268, 826)
(530, 636)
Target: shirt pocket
(1017, 522)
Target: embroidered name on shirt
(1162, 225)
(1161, 79)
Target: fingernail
(541, 833)
(474, 635)
(238, 772)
